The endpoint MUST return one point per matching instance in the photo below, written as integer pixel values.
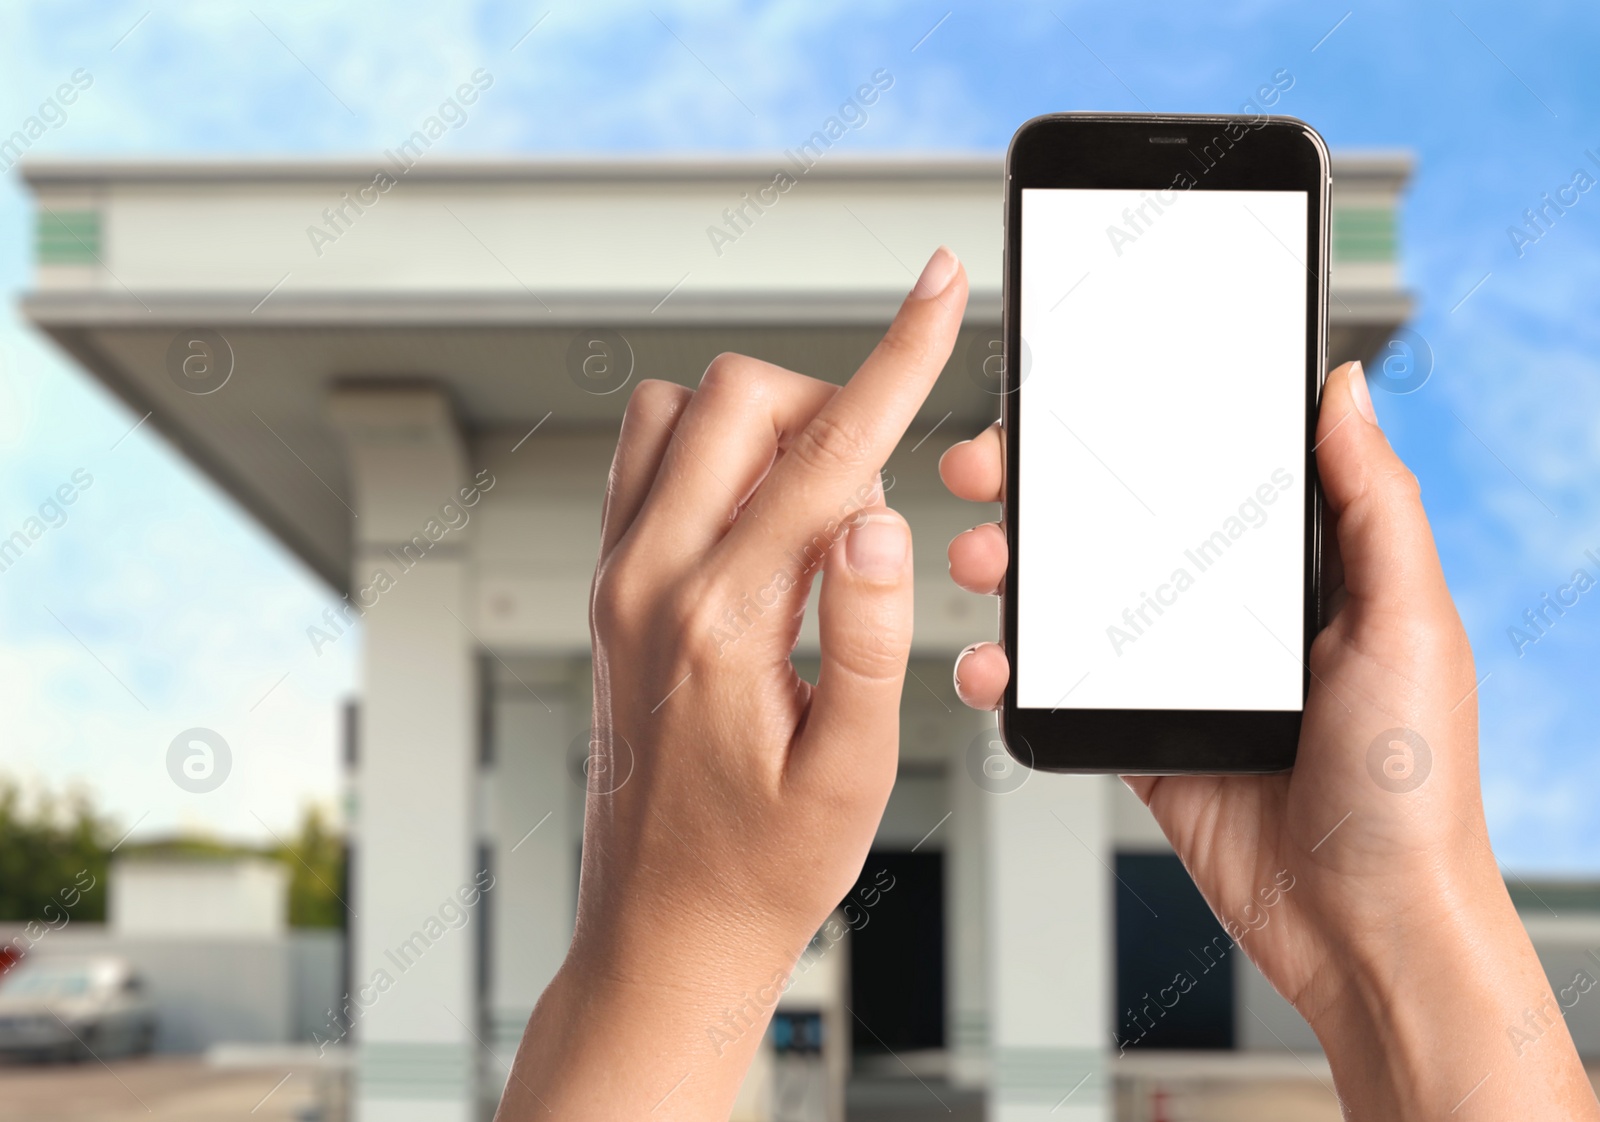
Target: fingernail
(945, 455)
(876, 498)
(955, 675)
(877, 546)
(1359, 394)
(936, 274)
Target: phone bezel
(1089, 150)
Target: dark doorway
(897, 953)
(1174, 962)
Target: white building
(456, 331)
(153, 896)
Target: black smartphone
(1165, 338)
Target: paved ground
(160, 1089)
(907, 1100)
(1257, 1101)
(187, 1090)
(904, 1100)
(1308, 1099)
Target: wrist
(1417, 1017)
(682, 1020)
(679, 958)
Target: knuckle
(678, 622)
(872, 642)
(655, 400)
(1407, 482)
(693, 612)
(621, 596)
(1393, 485)
(730, 373)
(872, 659)
(829, 444)
(1398, 482)
(1325, 647)
(903, 346)
(1383, 493)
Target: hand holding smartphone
(1165, 339)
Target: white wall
(227, 989)
(195, 898)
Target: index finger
(829, 471)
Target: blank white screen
(1161, 488)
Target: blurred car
(71, 1009)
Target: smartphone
(1164, 342)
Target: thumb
(864, 617)
(1385, 545)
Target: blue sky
(183, 599)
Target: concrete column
(966, 897)
(535, 813)
(417, 883)
(1050, 950)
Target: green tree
(316, 860)
(52, 846)
(46, 848)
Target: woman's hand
(733, 803)
(1397, 940)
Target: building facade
(412, 376)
